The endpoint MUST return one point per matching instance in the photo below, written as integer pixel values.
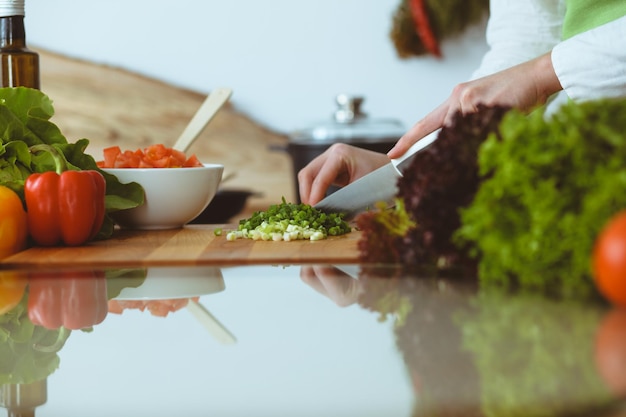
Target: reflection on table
(311, 340)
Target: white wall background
(285, 59)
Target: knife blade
(378, 185)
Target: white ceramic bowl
(174, 282)
(173, 196)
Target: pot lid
(350, 124)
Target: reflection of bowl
(173, 196)
(164, 283)
(225, 205)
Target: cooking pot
(349, 124)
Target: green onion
(290, 221)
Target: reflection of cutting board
(192, 245)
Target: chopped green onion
(290, 221)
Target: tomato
(12, 288)
(158, 308)
(192, 161)
(609, 260)
(153, 156)
(110, 154)
(610, 351)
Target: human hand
(523, 87)
(333, 283)
(339, 165)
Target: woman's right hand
(339, 165)
(523, 87)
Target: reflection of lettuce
(443, 374)
(489, 353)
(118, 279)
(383, 296)
(534, 355)
(28, 353)
(390, 290)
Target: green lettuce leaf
(550, 184)
(25, 115)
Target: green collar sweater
(582, 15)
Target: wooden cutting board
(191, 245)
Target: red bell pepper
(73, 300)
(64, 207)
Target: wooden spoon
(203, 116)
(196, 125)
(217, 329)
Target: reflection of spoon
(214, 327)
(203, 116)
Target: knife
(378, 185)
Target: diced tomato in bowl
(153, 156)
(159, 308)
(173, 197)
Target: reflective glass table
(300, 340)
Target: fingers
(433, 121)
(319, 174)
(464, 98)
(325, 177)
(306, 177)
(338, 165)
(329, 281)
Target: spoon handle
(213, 325)
(203, 116)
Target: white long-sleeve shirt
(590, 65)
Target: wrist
(546, 81)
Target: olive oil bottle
(19, 66)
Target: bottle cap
(11, 8)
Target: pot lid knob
(350, 124)
(349, 108)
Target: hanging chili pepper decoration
(423, 27)
(64, 207)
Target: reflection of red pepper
(423, 28)
(73, 300)
(64, 206)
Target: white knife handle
(416, 147)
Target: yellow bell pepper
(13, 223)
(12, 288)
